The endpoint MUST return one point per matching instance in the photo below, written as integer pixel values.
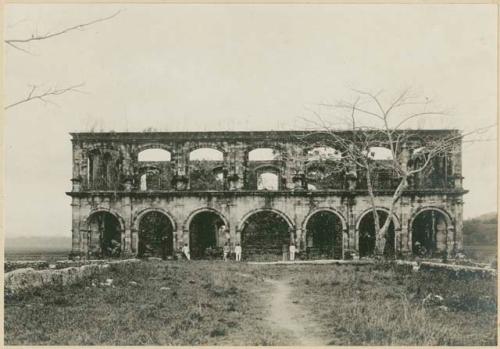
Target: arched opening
(154, 169)
(324, 235)
(206, 169)
(380, 153)
(155, 236)
(206, 229)
(206, 154)
(324, 170)
(104, 237)
(323, 154)
(429, 230)
(263, 154)
(267, 180)
(367, 237)
(265, 234)
(154, 155)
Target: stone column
(345, 242)
(127, 233)
(300, 240)
(134, 241)
(404, 234)
(450, 241)
(459, 239)
(84, 236)
(75, 228)
(185, 237)
(178, 242)
(181, 176)
(351, 226)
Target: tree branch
(15, 42)
(41, 96)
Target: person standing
(185, 251)
(292, 251)
(237, 252)
(226, 251)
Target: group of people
(226, 251)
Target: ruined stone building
(149, 193)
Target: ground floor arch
(324, 235)
(429, 229)
(207, 231)
(104, 238)
(264, 234)
(156, 236)
(367, 234)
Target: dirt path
(286, 315)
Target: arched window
(154, 154)
(263, 154)
(206, 154)
(267, 181)
(323, 153)
(206, 170)
(380, 153)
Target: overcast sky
(232, 67)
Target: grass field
(217, 303)
(482, 253)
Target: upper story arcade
(278, 161)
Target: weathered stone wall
(236, 198)
(295, 208)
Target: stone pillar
(75, 228)
(450, 240)
(459, 238)
(300, 241)
(404, 235)
(185, 237)
(134, 241)
(180, 179)
(127, 233)
(352, 242)
(237, 236)
(345, 242)
(457, 164)
(84, 236)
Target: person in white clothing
(226, 251)
(237, 252)
(185, 251)
(292, 251)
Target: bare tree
(20, 44)
(371, 125)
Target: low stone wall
(70, 263)
(457, 269)
(27, 278)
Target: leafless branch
(42, 96)
(15, 42)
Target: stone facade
(109, 178)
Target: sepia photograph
(250, 174)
